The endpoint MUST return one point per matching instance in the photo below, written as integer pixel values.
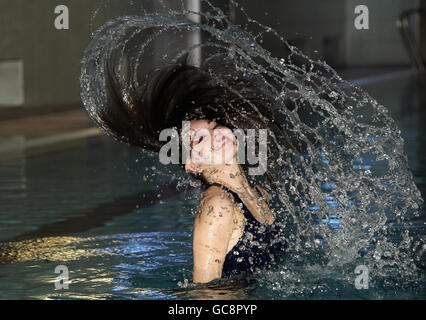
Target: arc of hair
(272, 182)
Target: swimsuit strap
(256, 249)
(247, 213)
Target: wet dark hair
(179, 91)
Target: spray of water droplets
(346, 195)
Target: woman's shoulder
(217, 199)
(216, 193)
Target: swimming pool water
(124, 234)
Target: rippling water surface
(52, 213)
(122, 224)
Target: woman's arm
(213, 228)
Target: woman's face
(211, 145)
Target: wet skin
(219, 222)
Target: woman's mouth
(224, 142)
(218, 145)
(221, 142)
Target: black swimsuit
(257, 249)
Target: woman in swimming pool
(231, 210)
(234, 229)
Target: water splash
(346, 194)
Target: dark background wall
(50, 57)
(39, 65)
(326, 28)
(423, 27)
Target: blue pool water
(124, 233)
